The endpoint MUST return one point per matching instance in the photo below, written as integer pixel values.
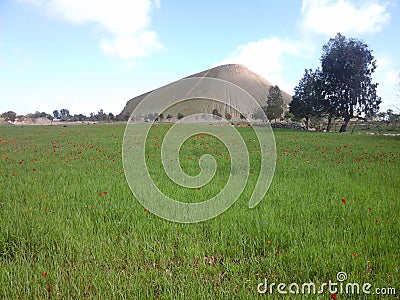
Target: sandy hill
(253, 83)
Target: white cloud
(129, 46)
(266, 58)
(329, 17)
(127, 21)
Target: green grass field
(70, 227)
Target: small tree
(37, 114)
(274, 103)
(216, 113)
(392, 118)
(56, 114)
(65, 113)
(101, 116)
(150, 117)
(180, 116)
(228, 116)
(169, 117)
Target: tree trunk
(344, 125)
(329, 123)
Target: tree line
(63, 115)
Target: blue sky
(87, 55)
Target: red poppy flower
(219, 217)
(353, 254)
(198, 188)
(100, 194)
(344, 201)
(145, 210)
(376, 220)
(44, 274)
(369, 208)
(105, 193)
(333, 296)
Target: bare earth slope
(239, 75)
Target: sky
(87, 55)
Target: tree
(101, 116)
(274, 103)
(169, 117)
(308, 100)
(37, 114)
(228, 116)
(78, 118)
(92, 117)
(56, 114)
(392, 118)
(149, 117)
(9, 116)
(161, 117)
(180, 116)
(64, 114)
(347, 66)
(216, 113)
(381, 116)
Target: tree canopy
(343, 87)
(275, 103)
(308, 100)
(347, 66)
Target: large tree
(347, 67)
(309, 99)
(274, 103)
